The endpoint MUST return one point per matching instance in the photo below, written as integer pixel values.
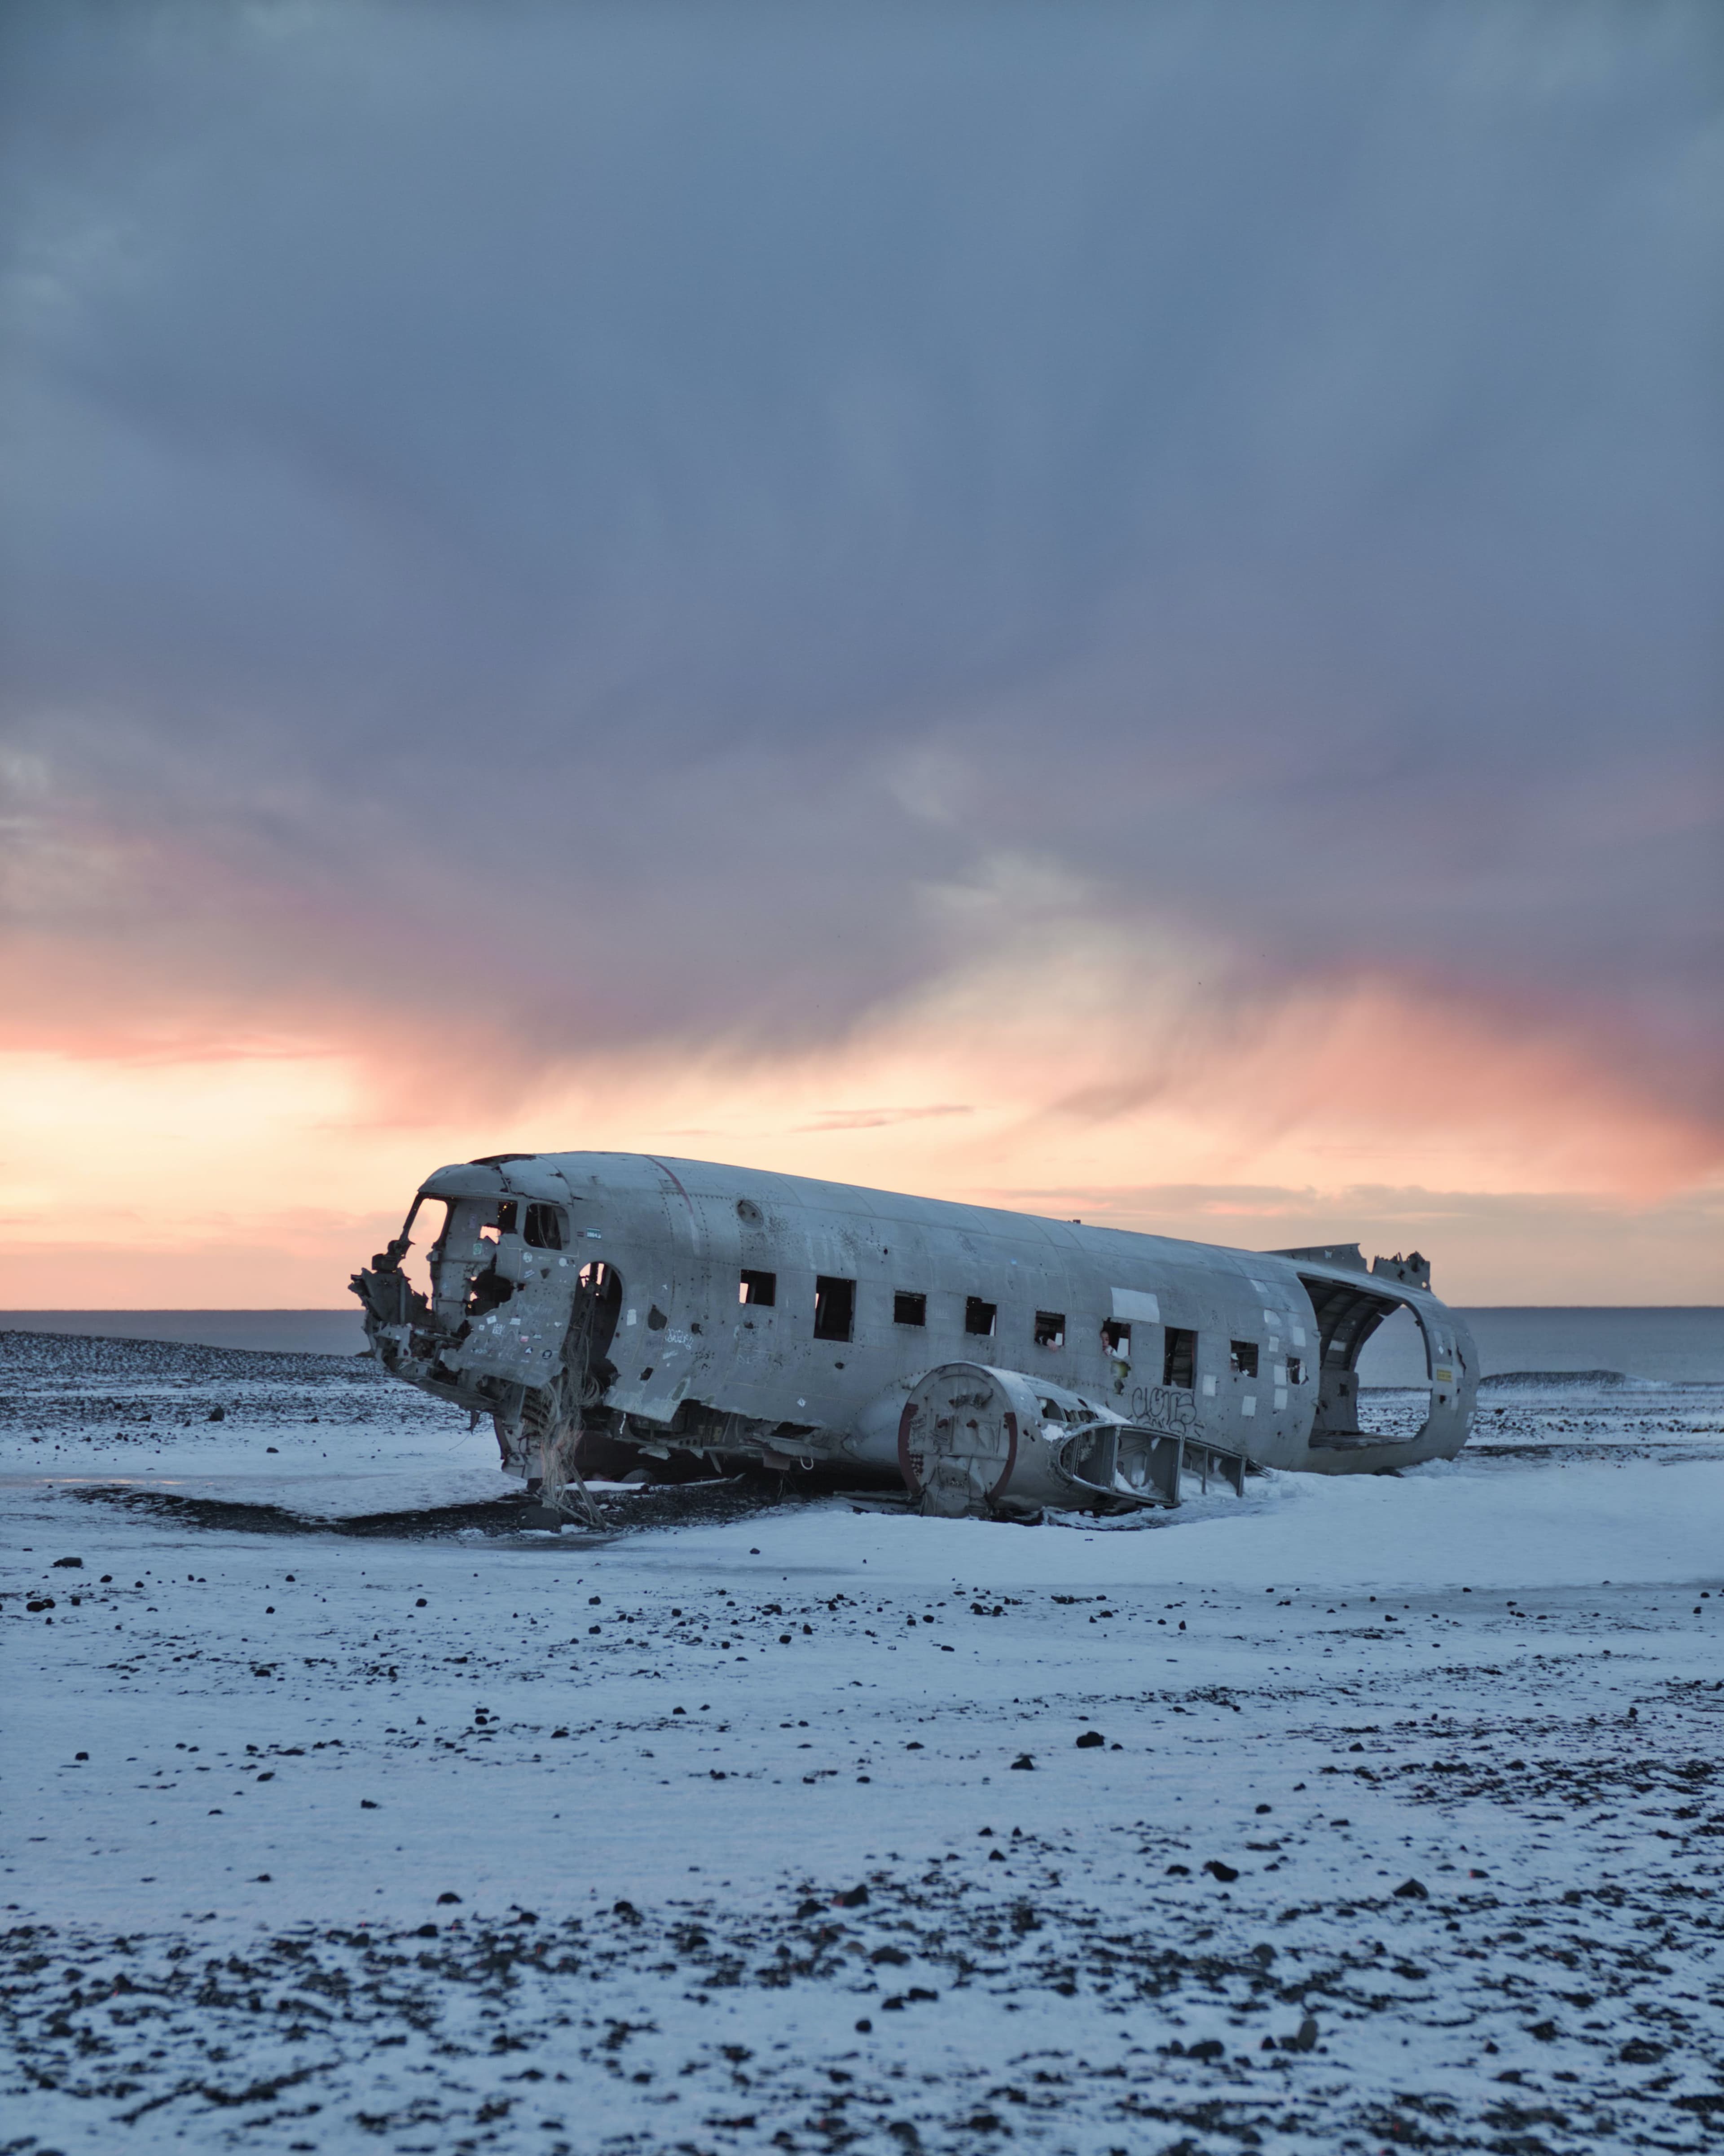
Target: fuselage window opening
(979, 1317)
(1179, 1359)
(835, 1307)
(910, 1309)
(1296, 1370)
(489, 1290)
(761, 1289)
(1117, 1339)
(1050, 1328)
(602, 1304)
(544, 1227)
(1241, 1358)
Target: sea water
(1683, 1345)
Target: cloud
(1501, 1247)
(878, 1119)
(264, 1180)
(538, 535)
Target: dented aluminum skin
(606, 1308)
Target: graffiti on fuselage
(1170, 1407)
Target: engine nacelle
(974, 1441)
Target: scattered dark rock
(1092, 1740)
(1224, 1872)
(1413, 1890)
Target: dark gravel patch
(508, 2020)
(60, 1385)
(670, 1505)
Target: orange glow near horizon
(260, 1179)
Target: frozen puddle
(1405, 1827)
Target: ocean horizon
(1671, 1344)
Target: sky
(1108, 609)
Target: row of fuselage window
(835, 1320)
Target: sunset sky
(1112, 610)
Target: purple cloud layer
(587, 515)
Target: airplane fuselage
(675, 1304)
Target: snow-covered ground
(1406, 1827)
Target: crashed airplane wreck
(609, 1310)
